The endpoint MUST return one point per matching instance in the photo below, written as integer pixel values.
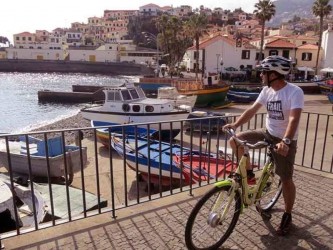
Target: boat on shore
(27, 203)
(210, 90)
(128, 104)
(171, 93)
(206, 121)
(242, 96)
(43, 165)
(326, 86)
(151, 158)
(167, 163)
(308, 87)
(104, 130)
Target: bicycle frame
(249, 194)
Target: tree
(321, 9)
(195, 28)
(172, 39)
(4, 40)
(264, 11)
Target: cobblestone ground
(162, 226)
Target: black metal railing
(88, 177)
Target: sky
(22, 15)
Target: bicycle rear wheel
(204, 228)
(271, 192)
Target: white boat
(171, 93)
(128, 104)
(19, 160)
(25, 201)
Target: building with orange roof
(219, 52)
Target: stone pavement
(159, 224)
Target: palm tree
(264, 11)
(320, 9)
(196, 27)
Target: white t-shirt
(278, 105)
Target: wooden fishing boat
(42, 165)
(242, 96)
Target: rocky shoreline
(74, 122)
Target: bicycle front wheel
(271, 191)
(205, 229)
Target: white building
(218, 53)
(149, 10)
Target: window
(126, 95)
(306, 56)
(195, 55)
(262, 56)
(136, 108)
(149, 109)
(110, 96)
(29, 38)
(245, 54)
(134, 94)
(17, 38)
(117, 96)
(273, 53)
(285, 53)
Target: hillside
(287, 9)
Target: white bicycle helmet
(276, 63)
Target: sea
(20, 110)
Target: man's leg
(289, 194)
(239, 151)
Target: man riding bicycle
(284, 103)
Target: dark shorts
(284, 165)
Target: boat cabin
(132, 99)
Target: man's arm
(247, 115)
(294, 118)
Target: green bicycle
(214, 217)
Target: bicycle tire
(211, 236)
(270, 193)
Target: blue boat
(242, 96)
(160, 161)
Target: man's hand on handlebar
(229, 126)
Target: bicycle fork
(216, 216)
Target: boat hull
(120, 118)
(208, 97)
(19, 163)
(152, 159)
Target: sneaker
(251, 177)
(285, 224)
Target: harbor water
(20, 110)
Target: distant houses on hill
(104, 39)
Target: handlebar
(258, 144)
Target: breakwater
(47, 66)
